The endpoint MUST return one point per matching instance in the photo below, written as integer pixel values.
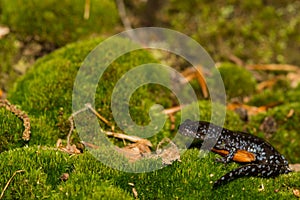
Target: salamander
(260, 158)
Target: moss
(238, 81)
(8, 52)
(227, 31)
(267, 97)
(286, 138)
(88, 178)
(193, 177)
(45, 21)
(11, 130)
(45, 91)
(41, 179)
(274, 96)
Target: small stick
(21, 115)
(71, 120)
(273, 67)
(201, 81)
(86, 14)
(89, 106)
(121, 136)
(172, 110)
(9, 181)
(125, 20)
(131, 138)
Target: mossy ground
(227, 28)
(10, 138)
(90, 179)
(234, 82)
(45, 93)
(58, 25)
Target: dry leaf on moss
(169, 154)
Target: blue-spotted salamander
(262, 158)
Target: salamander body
(261, 158)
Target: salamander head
(193, 129)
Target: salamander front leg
(227, 158)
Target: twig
(172, 110)
(89, 106)
(273, 67)
(87, 5)
(20, 114)
(124, 19)
(71, 120)
(192, 73)
(131, 138)
(9, 181)
(120, 136)
(201, 81)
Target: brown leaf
(296, 192)
(4, 31)
(135, 151)
(169, 154)
(251, 110)
(64, 177)
(291, 113)
(295, 167)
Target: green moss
(88, 178)
(45, 91)
(274, 95)
(193, 177)
(48, 22)
(41, 179)
(227, 31)
(8, 52)
(238, 81)
(286, 137)
(11, 131)
(267, 97)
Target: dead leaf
(266, 84)
(64, 177)
(295, 167)
(251, 110)
(70, 149)
(169, 154)
(291, 113)
(296, 192)
(4, 31)
(294, 78)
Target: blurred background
(243, 32)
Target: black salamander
(262, 158)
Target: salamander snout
(188, 128)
